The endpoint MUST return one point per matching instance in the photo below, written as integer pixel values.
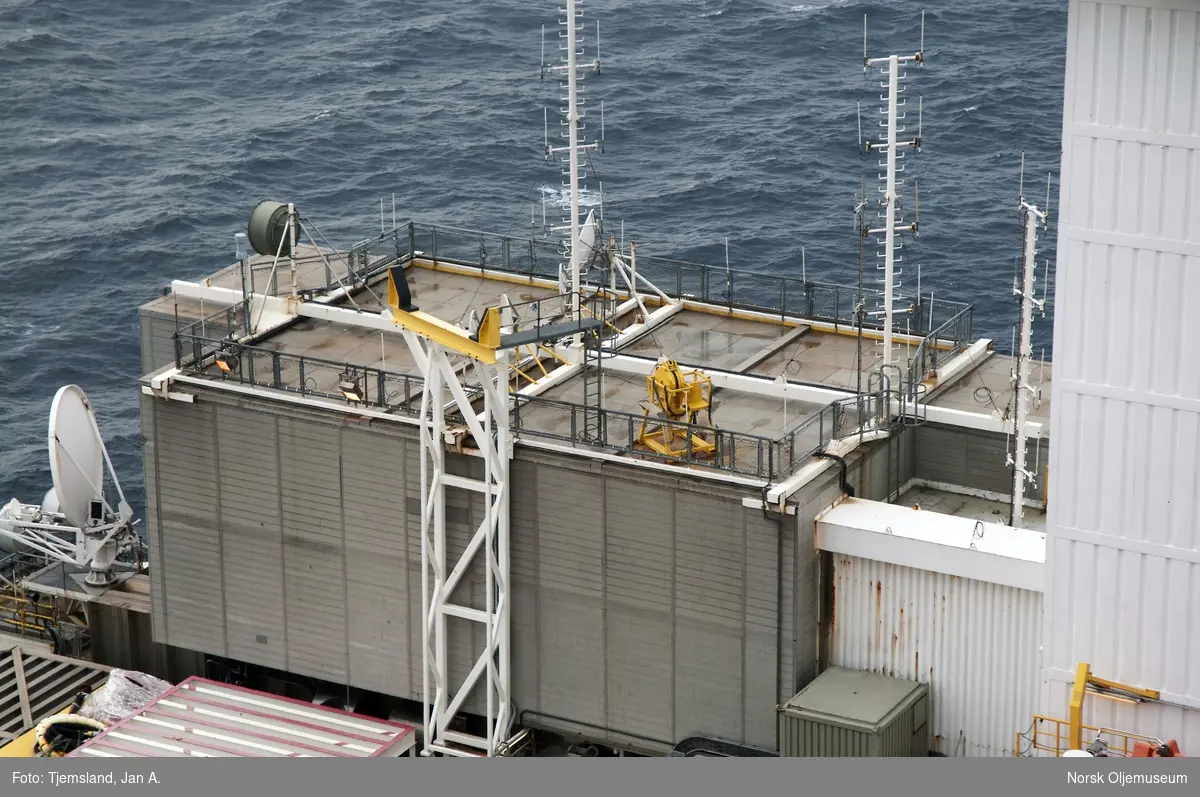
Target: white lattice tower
(442, 572)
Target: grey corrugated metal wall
(292, 553)
(645, 607)
(971, 458)
(121, 637)
(646, 604)
(867, 472)
(157, 340)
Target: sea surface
(135, 137)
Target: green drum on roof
(268, 227)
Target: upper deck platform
(784, 354)
(988, 388)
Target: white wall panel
(974, 643)
(1123, 586)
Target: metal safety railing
(307, 376)
(362, 263)
(950, 338)
(735, 289)
(617, 430)
(741, 453)
(327, 270)
(1051, 736)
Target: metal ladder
(592, 429)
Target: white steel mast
(890, 66)
(574, 149)
(1023, 390)
(573, 146)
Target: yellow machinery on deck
(1048, 732)
(680, 396)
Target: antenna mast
(572, 51)
(890, 145)
(1023, 390)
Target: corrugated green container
(848, 713)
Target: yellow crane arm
(1084, 679)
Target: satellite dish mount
(76, 524)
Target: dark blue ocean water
(135, 137)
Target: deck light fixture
(350, 387)
(227, 360)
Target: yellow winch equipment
(679, 395)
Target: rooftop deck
(717, 330)
(988, 388)
(970, 507)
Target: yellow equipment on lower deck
(1059, 737)
(680, 396)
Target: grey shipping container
(848, 713)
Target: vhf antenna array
(890, 145)
(1025, 394)
(572, 69)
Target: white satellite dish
(76, 457)
(75, 523)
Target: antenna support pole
(1022, 388)
(890, 198)
(571, 276)
(573, 144)
(293, 228)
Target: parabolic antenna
(76, 455)
(587, 235)
(268, 228)
(74, 524)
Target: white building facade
(1122, 588)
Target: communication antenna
(77, 522)
(891, 146)
(860, 308)
(570, 155)
(275, 230)
(1024, 392)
